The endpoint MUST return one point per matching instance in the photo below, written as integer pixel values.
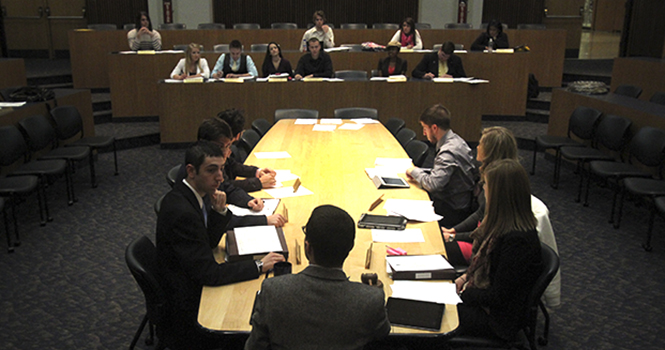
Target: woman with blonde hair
(508, 261)
(192, 66)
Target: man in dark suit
(192, 220)
(319, 308)
(444, 64)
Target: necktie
(234, 66)
(205, 215)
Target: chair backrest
(158, 204)
(613, 132)
(310, 25)
(458, 26)
(393, 26)
(221, 48)
(394, 125)
(296, 114)
(129, 26)
(103, 26)
(405, 135)
(12, 145)
(648, 146)
(550, 268)
(353, 47)
(172, 175)
(239, 153)
(351, 75)
(259, 48)
(420, 26)
(181, 47)
(353, 26)
(212, 26)
(249, 139)
(172, 26)
(658, 97)
(417, 151)
(437, 47)
(628, 90)
(261, 126)
(284, 26)
(531, 26)
(141, 259)
(246, 26)
(39, 131)
(484, 26)
(582, 122)
(356, 112)
(375, 73)
(68, 122)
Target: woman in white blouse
(408, 36)
(192, 66)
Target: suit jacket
(430, 64)
(400, 66)
(235, 168)
(318, 308)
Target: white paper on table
(399, 164)
(378, 79)
(286, 192)
(435, 292)
(322, 127)
(442, 80)
(365, 121)
(269, 207)
(417, 210)
(333, 80)
(477, 81)
(418, 263)
(257, 239)
(335, 121)
(409, 235)
(127, 52)
(384, 171)
(349, 126)
(460, 51)
(337, 49)
(272, 155)
(169, 51)
(261, 80)
(300, 121)
(285, 175)
(12, 104)
(171, 81)
(463, 79)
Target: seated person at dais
(320, 31)
(143, 37)
(444, 64)
(493, 38)
(192, 66)
(408, 36)
(275, 63)
(392, 65)
(315, 63)
(235, 64)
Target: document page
(286, 192)
(418, 263)
(257, 239)
(269, 207)
(324, 127)
(416, 210)
(434, 292)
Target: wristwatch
(259, 265)
(451, 237)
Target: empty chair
(246, 26)
(249, 139)
(356, 112)
(157, 207)
(458, 26)
(221, 48)
(68, 124)
(12, 187)
(129, 26)
(657, 208)
(658, 97)
(261, 126)
(648, 190)
(437, 47)
(394, 125)
(103, 26)
(582, 124)
(10, 247)
(421, 26)
(259, 47)
(484, 26)
(172, 26)
(284, 25)
(393, 26)
(296, 114)
(628, 90)
(353, 47)
(212, 26)
(310, 25)
(417, 151)
(375, 73)
(531, 26)
(181, 47)
(405, 135)
(172, 175)
(351, 75)
(353, 26)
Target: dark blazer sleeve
(327, 66)
(502, 41)
(235, 195)
(480, 43)
(455, 67)
(423, 66)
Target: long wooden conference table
(332, 165)
(182, 106)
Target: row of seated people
(194, 217)
(314, 63)
(143, 37)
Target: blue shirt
(251, 67)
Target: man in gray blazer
(319, 308)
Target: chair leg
(10, 247)
(137, 335)
(647, 243)
(546, 331)
(588, 184)
(70, 187)
(151, 337)
(579, 188)
(115, 159)
(17, 240)
(535, 153)
(617, 222)
(93, 176)
(49, 218)
(557, 165)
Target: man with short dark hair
(451, 181)
(319, 308)
(191, 222)
(444, 64)
(315, 63)
(235, 64)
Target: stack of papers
(434, 292)
(415, 210)
(269, 207)
(398, 165)
(324, 127)
(11, 104)
(365, 121)
(306, 121)
(443, 80)
(257, 239)
(419, 267)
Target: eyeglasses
(304, 230)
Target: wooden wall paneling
(13, 72)
(645, 72)
(65, 15)
(564, 7)
(514, 12)
(88, 56)
(118, 12)
(646, 33)
(26, 27)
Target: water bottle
(490, 45)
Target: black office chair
(10, 247)
(405, 135)
(648, 148)
(180, 47)
(628, 90)
(246, 26)
(351, 75)
(261, 126)
(258, 48)
(128, 26)
(295, 114)
(141, 259)
(421, 26)
(657, 208)
(582, 124)
(534, 302)
(68, 123)
(536, 26)
(458, 26)
(284, 26)
(647, 190)
(612, 133)
(394, 125)
(103, 26)
(212, 26)
(239, 153)
(172, 26)
(249, 139)
(221, 48)
(393, 26)
(437, 47)
(353, 47)
(356, 112)
(484, 26)
(158, 204)
(172, 175)
(417, 151)
(658, 97)
(353, 26)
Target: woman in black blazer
(392, 65)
